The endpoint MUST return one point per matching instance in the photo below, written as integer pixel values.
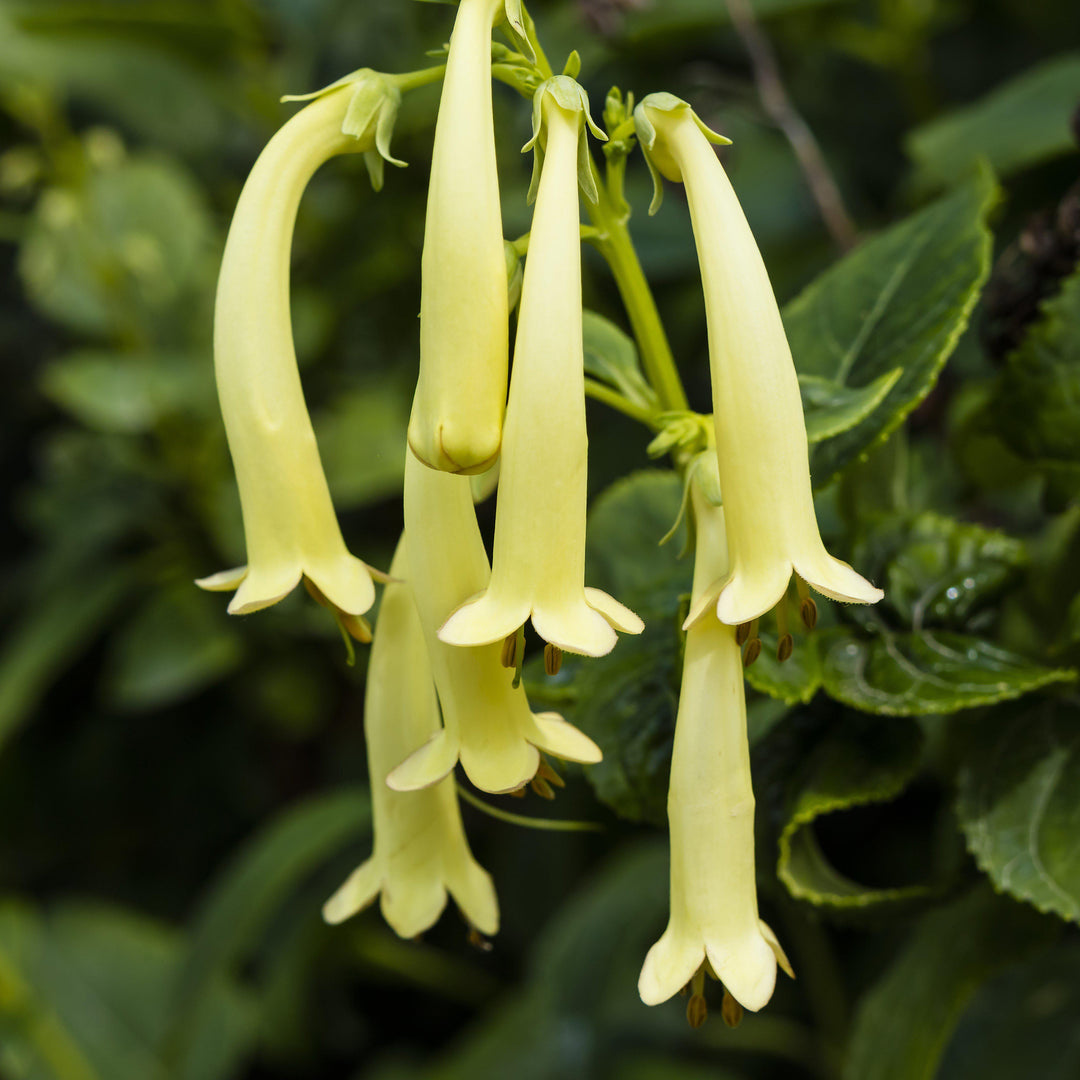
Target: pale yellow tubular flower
(487, 724)
(539, 556)
(456, 422)
(420, 850)
(714, 914)
(290, 526)
(757, 409)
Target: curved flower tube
(290, 526)
(420, 848)
(539, 557)
(456, 422)
(761, 442)
(714, 916)
(487, 724)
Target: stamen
(542, 787)
(478, 941)
(731, 1011)
(786, 644)
(552, 659)
(358, 627)
(753, 645)
(697, 1010)
(509, 651)
(808, 613)
(742, 632)
(547, 773)
(517, 793)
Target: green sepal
(646, 133)
(571, 97)
(518, 23)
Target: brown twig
(777, 105)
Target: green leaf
(1022, 1023)
(689, 16)
(612, 357)
(905, 1021)
(51, 634)
(1019, 804)
(899, 301)
(797, 679)
(239, 905)
(362, 443)
(831, 408)
(126, 393)
(178, 643)
(1023, 122)
(134, 239)
(89, 996)
(859, 761)
(912, 674)
(939, 572)
(1037, 408)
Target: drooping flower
(714, 915)
(420, 850)
(456, 422)
(761, 441)
(487, 723)
(290, 527)
(539, 557)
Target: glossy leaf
(1019, 805)
(911, 674)
(612, 357)
(900, 300)
(831, 408)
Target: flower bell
(539, 557)
(456, 422)
(757, 408)
(290, 526)
(487, 723)
(420, 848)
(714, 925)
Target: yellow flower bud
(420, 850)
(539, 556)
(290, 526)
(456, 422)
(761, 442)
(714, 915)
(487, 723)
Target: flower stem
(526, 822)
(599, 392)
(411, 80)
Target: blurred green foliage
(181, 791)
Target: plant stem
(411, 80)
(599, 392)
(550, 824)
(617, 248)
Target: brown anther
(685, 991)
(731, 1011)
(697, 1011)
(751, 652)
(509, 650)
(808, 612)
(742, 632)
(358, 627)
(549, 774)
(478, 941)
(542, 787)
(552, 659)
(517, 793)
(785, 648)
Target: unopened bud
(785, 648)
(731, 1011)
(552, 659)
(697, 1011)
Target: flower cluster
(444, 681)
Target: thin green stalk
(612, 398)
(526, 822)
(411, 80)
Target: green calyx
(369, 117)
(569, 96)
(656, 157)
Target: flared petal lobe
(456, 422)
(487, 724)
(420, 849)
(539, 555)
(714, 913)
(757, 408)
(290, 526)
